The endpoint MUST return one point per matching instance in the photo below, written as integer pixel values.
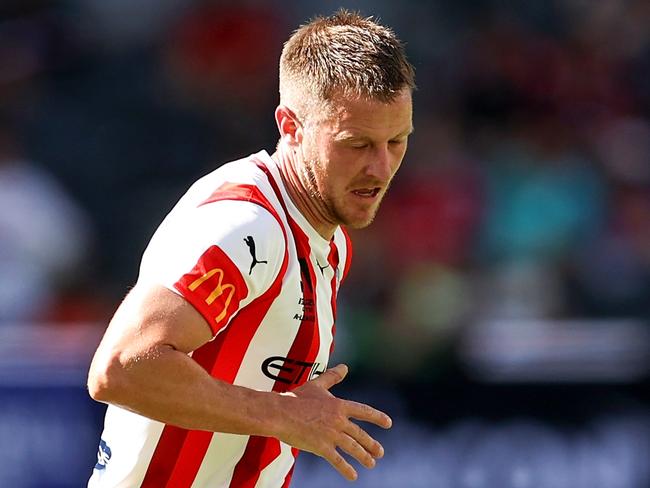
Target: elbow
(98, 387)
(105, 381)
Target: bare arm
(142, 365)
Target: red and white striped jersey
(242, 254)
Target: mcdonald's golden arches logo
(217, 292)
(215, 286)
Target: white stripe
(219, 463)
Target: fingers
(364, 455)
(339, 463)
(332, 376)
(354, 449)
(361, 437)
(334, 430)
(366, 413)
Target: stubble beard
(331, 206)
(310, 167)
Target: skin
(331, 166)
(142, 362)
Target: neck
(302, 196)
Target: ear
(288, 125)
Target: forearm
(169, 386)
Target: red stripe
(180, 452)
(164, 458)
(190, 458)
(276, 189)
(307, 342)
(261, 451)
(240, 192)
(333, 260)
(243, 329)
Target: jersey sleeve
(219, 257)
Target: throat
(307, 200)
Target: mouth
(367, 192)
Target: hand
(321, 424)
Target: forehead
(368, 115)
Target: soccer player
(215, 364)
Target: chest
(295, 340)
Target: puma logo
(251, 247)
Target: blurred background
(499, 307)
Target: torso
(274, 341)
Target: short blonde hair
(345, 54)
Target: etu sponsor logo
(290, 371)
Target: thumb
(332, 376)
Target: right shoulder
(235, 176)
(230, 212)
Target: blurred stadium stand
(499, 307)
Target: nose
(380, 166)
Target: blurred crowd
(525, 193)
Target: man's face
(351, 157)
